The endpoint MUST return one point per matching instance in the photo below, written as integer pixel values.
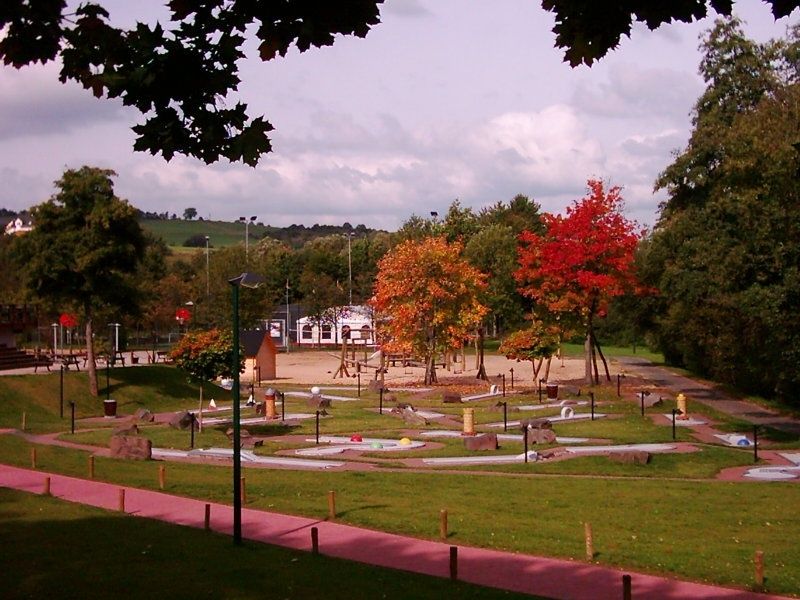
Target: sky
(444, 100)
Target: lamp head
(248, 280)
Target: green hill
(175, 232)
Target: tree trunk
(547, 368)
(91, 367)
(587, 356)
(603, 358)
(430, 369)
(537, 366)
(481, 367)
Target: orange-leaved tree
(583, 259)
(536, 343)
(426, 298)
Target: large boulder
(412, 417)
(144, 415)
(451, 398)
(541, 436)
(180, 420)
(131, 446)
(375, 385)
(128, 428)
(630, 457)
(483, 441)
(540, 423)
(318, 402)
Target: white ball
(315, 390)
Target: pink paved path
(522, 573)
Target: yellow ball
(405, 442)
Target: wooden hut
(259, 355)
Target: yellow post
(443, 524)
(331, 505)
(33, 457)
(587, 528)
(162, 476)
(24, 420)
(469, 421)
(681, 400)
(759, 562)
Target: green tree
(205, 355)
(724, 253)
(493, 250)
(189, 213)
(86, 244)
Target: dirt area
(318, 367)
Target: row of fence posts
(443, 527)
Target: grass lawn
(65, 550)
(667, 517)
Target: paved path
(522, 573)
(708, 394)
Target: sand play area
(319, 366)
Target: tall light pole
(246, 233)
(248, 280)
(350, 235)
(207, 285)
(288, 318)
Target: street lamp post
(350, 265)
(251, 281)
(115, 346)
(246, 233)
(208, 293)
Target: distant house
(351, 322)
(259, 355)
(18, 227)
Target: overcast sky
(444, 100)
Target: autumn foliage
(205, 355)
(534, 344)
(582, 260)
(426, 298)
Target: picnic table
(72, 359)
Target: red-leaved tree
(581, 261)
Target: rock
(129, 428)
(541, 436)
(483, 441)
(400, 406)
(131, 446)
(651, 400)
(180, 420)
(375, 385)
(144, 415)
(411, 417)
(451, 398)
(630, 457)
(540, 423)
(317, 402)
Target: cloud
(34, 103)
(635, 92)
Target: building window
(326, 332)
(306, 332)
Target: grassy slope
(222, 233)
(112, 555)
(703, 530)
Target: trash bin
(552, 391)
(110, 408)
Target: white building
(17, 227)
(354, 322)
